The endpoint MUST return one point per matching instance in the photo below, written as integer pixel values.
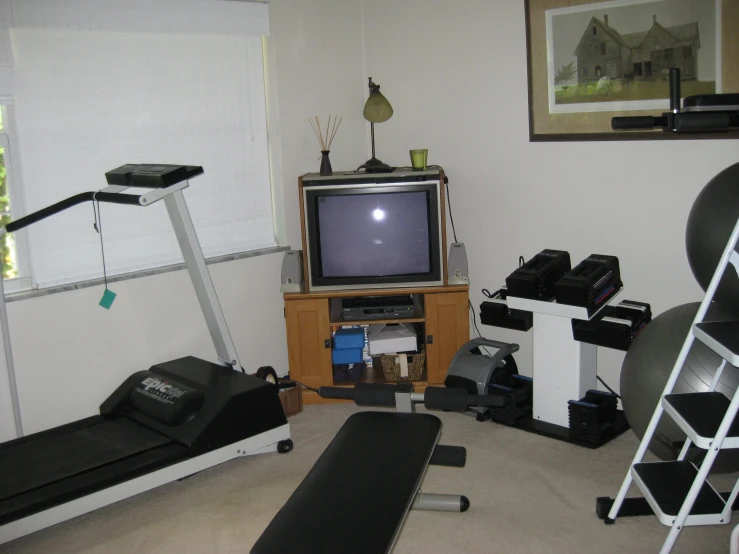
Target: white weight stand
(564, 368)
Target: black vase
(325, 163)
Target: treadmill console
(151, 175)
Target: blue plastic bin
(349, 338)
(346, 355)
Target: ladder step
(665, 485)
(720, 336)
(699, 414)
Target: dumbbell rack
(678, 491)
(564, 369)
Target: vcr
(377, 307)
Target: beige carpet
(528, 494)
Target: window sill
(34, 293)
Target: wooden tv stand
(313, 317)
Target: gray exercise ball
(711, 220)
(648, 364)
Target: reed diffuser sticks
(325, 139)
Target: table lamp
(376, 110)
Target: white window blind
(93, 91)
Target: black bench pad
(355, 498)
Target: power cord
(474, 322)
(304, 385)
(454, 232)
(609, 388)
(451, 217)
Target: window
(7, 246)
(597, 71)
(637, 70)
(143, 87)
(15, 268)
(602, 48)
(687, 51)
(585, 73)
(595, 30)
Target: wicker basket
(391, 366)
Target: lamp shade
(377, 109)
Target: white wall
(455, 72)
(315, 60)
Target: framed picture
(591, 60)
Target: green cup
(419, 158)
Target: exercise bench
(357, 495)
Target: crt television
(364, 231)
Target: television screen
(368, 235)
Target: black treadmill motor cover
(165, 399)
(197, 403)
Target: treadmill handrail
(110, 194)
(70, 202)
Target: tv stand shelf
(311, 318)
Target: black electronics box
(518, 392)
(496, 312)
(377, 307)
(535, 279)
(593, 417)
(615, 326)
(590, 283)
(151, 175)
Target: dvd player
(377, 307)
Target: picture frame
(566, 102)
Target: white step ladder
(677, 491)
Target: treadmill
(162, 424)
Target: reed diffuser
(325, 139)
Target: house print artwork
(617, 55)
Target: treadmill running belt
(38, 463)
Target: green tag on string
(108, 296)
(107, 300)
